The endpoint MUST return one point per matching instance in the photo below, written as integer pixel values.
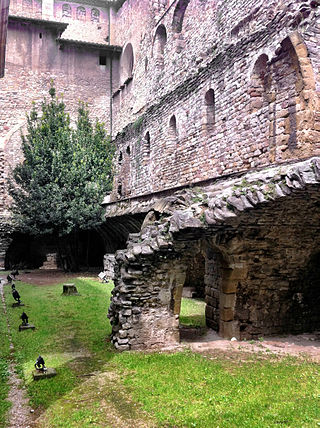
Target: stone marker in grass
(50, 372)
(25, 323)
(70, 290)
(41, 371)
(17, 305)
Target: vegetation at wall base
(58, 189)
(97, 386)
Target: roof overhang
(43, 22)
(90, 45)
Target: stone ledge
(26, 327)
(38, 375)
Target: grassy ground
(193, 312)
(97, 386)
(4, 358)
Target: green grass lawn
(97, 386)
(4, 358)
(193, 312)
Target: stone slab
(17, 305)
(38, 375)
(70, 290)
(26, 327)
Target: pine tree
(66, 172)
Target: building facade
(214, 109)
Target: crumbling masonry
(214, 107)
(217, 169)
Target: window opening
(178, 15)
(102, 60)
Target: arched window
(259, 82)
(126, 64)
(210, 108)
(66, 10)
(178, 15)
(173, 127)
(81, 13)
(95, 15)
(160, 40)
(147, 145)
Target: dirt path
(20, 413)
(305, 345)
(50, 277)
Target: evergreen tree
(65, 174)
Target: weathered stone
(70, 290)
(26, 327)
(38, 375)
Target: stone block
(229, 329)
(70, 290)
(26, 327)
(38, 375)
(227, 314)
(227, 300)
(17, 305)
(229, 286)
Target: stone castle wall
(237, 92)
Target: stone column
(231, 276)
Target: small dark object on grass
(16, 296)
(9, 279)
(24, 318)
(13, 286)
(70, 290)
(39, 364)
(14, 273)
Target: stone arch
(81, 13)
(256, 270)
(260, 83)
(304, 60)
(95, 15)
(178, 15)
(160, 40)
(293, 101)
(173, 126)
(66, 10)
(126, 64)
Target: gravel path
(20, 413)
(305, 345)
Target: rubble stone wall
(261, 255)
(249, 101)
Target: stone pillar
(108, 266)
(231, 276)
(212, 289)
